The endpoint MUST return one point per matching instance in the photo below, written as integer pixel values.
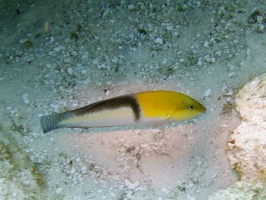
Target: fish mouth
(202, 109)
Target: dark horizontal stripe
(111, 104)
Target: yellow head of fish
(169, 105)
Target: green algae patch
(19, 177)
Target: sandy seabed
(60, 55)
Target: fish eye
(189, 106)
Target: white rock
(22, 40)
(9, 108)
(59, 190)
(52, 39)
(199, 63)
(14, 194)
(67, 60)
(72, 171)
(115, 60)
(130, 6)
(130, 185)
(25, 98)
(158, 40)
(69, 70)
(107, 92)
(232, 74)
(83, 169)
(247, 143)
(85, 56)
(56, 49)
(95, 61)
(207, 92)
(206, 44)
(224, 125)
(169, 27)
(212, 60)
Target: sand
(60, 55)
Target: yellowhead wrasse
(144, 108)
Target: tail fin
(52, 122)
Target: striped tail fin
(52, 122)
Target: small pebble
(159, 40)
(115, 60)
(22, 40)
(85, 56)
(84, 169)
(207, 92)
(59, 190)
(130, 6)
(67, 60)
(199, 63)
(72, 170)
(69, 70)
(25, 98)
(130, 185)
(206, 44)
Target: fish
(143, 108)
